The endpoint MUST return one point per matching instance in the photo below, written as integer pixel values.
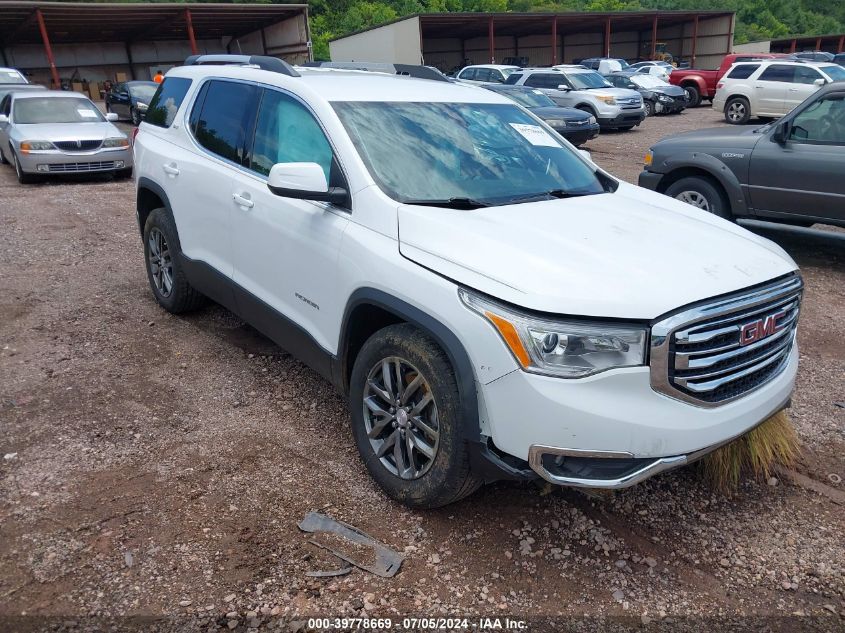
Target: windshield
(11, 77)
(507, 72)
(491, 153)
(55, 110)
(837, 73)
(623, 63)
(588, 80)
(648, 81)
(529, 98)
(143, 91)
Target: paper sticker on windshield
(535, 135)
(87, 113)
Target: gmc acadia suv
(492, 303)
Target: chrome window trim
(662, 331)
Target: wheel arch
(150, 196)
(696, 164)
(369, 310)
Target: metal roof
(468, 25)
(82, 22)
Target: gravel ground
(158, 466)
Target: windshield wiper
(548, 195)
(450, 203)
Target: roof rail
(272, 64)
(411, 70)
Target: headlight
(556, 123)
(664, 98)
(116, 142)
(592, 120)
(649, 158)
(34, 146)
(608, 99)
(566, 349)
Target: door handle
(243, 200)
(170, 169)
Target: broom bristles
(774, 442)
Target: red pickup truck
(701, 84)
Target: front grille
(719, 351)
(78, 146)
(82, 167)
(578, 123)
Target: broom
(772, 443)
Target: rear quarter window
(166, 101)
(743, 71)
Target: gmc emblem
(758, 330)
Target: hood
(567, 114)
(733, 137)
(619, 93)
(68, 131)
(633, 254)
(672, 91)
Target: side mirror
(781, 133)
(304, 181)
(111, 116)
(586, 154)
(563, 87)
(819, 82)
(4, 118)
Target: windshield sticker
(12, 74)
(87, 113)
(535, 135)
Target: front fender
(698, 81)
(714, 168)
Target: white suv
(493, 304)
(770, 88)
(485, 74)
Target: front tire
(23, 177)
(406, 419)
(649, 108)
(165, 271)
(701, 193)
(737, 111)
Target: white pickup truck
(491, 303)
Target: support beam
(128, 46)
(554, 40)
(607, 36)
(792, 46)
(818, 44)
(654, 37)
(189, 25)
(3, 56)
(263, 42)
(694, 41)
(491, 37)
(840, 48)
(57, 83)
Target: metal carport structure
(60, 35)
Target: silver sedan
(56, 132)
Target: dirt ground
(158, 466)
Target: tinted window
(821, 122)
(484, 74)
(286, 132)
(545, 80)
(4, 105)
(166, 101)
(469, 73)
(778, 73)
(743, 71)
(513, 79)
(226, 117)
(806, 75)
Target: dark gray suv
(789, 171)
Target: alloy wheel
(736, 111)
(400, 418)
(160, 262)
(695, 199)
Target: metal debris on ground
(330, 573)
(386, 562)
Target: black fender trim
(151, 185)
(716, 169)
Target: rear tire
(165, 272)
(737, 111)
(693, 96)
(701, 193)
(397, 369)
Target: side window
(6, 105)
(513, 79)
(778, 72)
(228, 111)
(166, 101)
(821, 122)
(743, 71)
(468, 73)
(804, 75)
(554, 80)
(484, 74)
(535, 81)
(287, 132)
